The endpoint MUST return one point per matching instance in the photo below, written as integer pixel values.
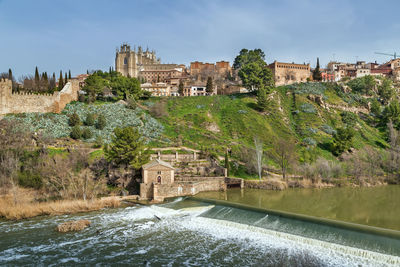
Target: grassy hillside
(307, 115)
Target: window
(125, 61)
(158, 172)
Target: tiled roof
(156, 162)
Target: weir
(340, 224)
(191, 232)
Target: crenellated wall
(27, 102)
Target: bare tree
(392, 163)
(259, 153)
(285, 154)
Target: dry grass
(269, 184)
(73, 226)
(26, 207)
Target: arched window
(125, 61)
(159, 179)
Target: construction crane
(387, 54)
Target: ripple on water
(182, 237)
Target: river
(192, 233)
(374, 206)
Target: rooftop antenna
(394, 55)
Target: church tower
(130, 62)
(126, 61)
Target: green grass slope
(219, 122)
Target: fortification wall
(28, 102)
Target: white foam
(331, 253)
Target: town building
(327, 77)
(288, 73)
(220, 68)
(157, 89)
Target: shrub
(89, 119)
(76, 132)
(307, 108)
(342, 141)
(98, 143)
(309, 141)
(87, 133)
(312, 130)
(131, 103)
(146, 95)
(29, 179)
(101, 122)
(82, 98)
(74, 120)
(349, 118)
(328, 129)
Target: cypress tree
(60, 81)
(69, 75)
(180, 88)
(109, 71)
(317, 73)
(37, 78)
(10, 76)
(66, 79)
(52, 84)
(87, 71)
(209, 86)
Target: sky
(83, 35)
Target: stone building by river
(190, 175)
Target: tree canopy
(255, 76)
(127, 147)
(342, 140)
(363, 85)
(122, 87)
(249, 56)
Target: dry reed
(25, 207)
(72, 226)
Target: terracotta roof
(156, 162)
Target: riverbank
(276, 183)
(25, 206)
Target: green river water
(373, 206)
(187, 232)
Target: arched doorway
(159, 179)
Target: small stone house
(155, 172)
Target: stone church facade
(144, 64)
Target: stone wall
(177, 157)
(162, 191)
(27, 102)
